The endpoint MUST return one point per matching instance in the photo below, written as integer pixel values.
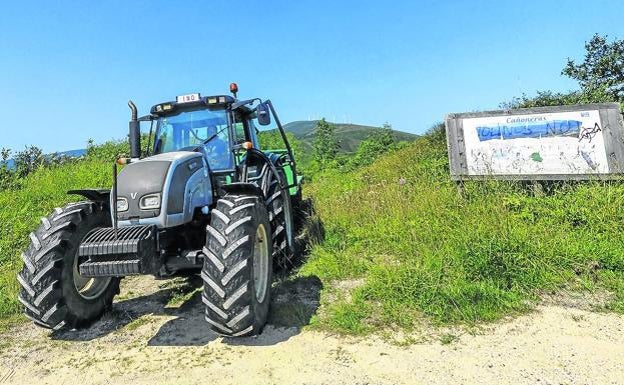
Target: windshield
(187, 130)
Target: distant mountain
(349, 135)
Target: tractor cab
(203, 124)
(222, 129)
(201, 129)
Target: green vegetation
(272, 140)
(414, 246)
(348, 135)
(21, 209)
(427, 251)
(137, 323)
(325, 146)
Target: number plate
(187, 98)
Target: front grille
(125, 240)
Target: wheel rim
(88, 287)
(261, 263)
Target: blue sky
(68, 68)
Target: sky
(68, 68)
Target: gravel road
(149, 339)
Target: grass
(447, 338)
(428, 251)
(137, 323)
(422, 250)
(182, 294)
(21, 210)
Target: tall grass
(427, 250)
(21, 210)
(423, 249)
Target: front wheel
(237, 268)
(53, 292)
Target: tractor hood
(163, 189)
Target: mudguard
(243, 188)
(93, 194)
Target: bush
(7, 177)
(325, 146)
(108, 151)
(378, 143)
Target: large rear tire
(52, 291)
(237, 268)
(279, 206)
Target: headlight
(149, 202)
(122, 204)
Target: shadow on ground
(294, 300)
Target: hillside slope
(22, 209)
(414, 248)
(402, 243)
(349, 135)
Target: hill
(402, 246)
(411, 248)
(350, 135)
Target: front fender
(243, 188)
(93, 194)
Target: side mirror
(263, 114)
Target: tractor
(202, 199)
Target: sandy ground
(149, 339)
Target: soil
(156, 334)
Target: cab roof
(191, 100)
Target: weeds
(420, 248)
(448, 338)
(21, 210)
(426, 250)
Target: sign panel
(567, 142)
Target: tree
(600, 77)
(384, 136)
(378, 143)
(602, 71)
(325, 146)
(544, 99)
(28, 160)
(6, 176)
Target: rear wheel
(278, 204)
(52, 291)
(237, 268)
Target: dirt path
(149, 339)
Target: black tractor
(204, 199)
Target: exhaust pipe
(135, 133)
